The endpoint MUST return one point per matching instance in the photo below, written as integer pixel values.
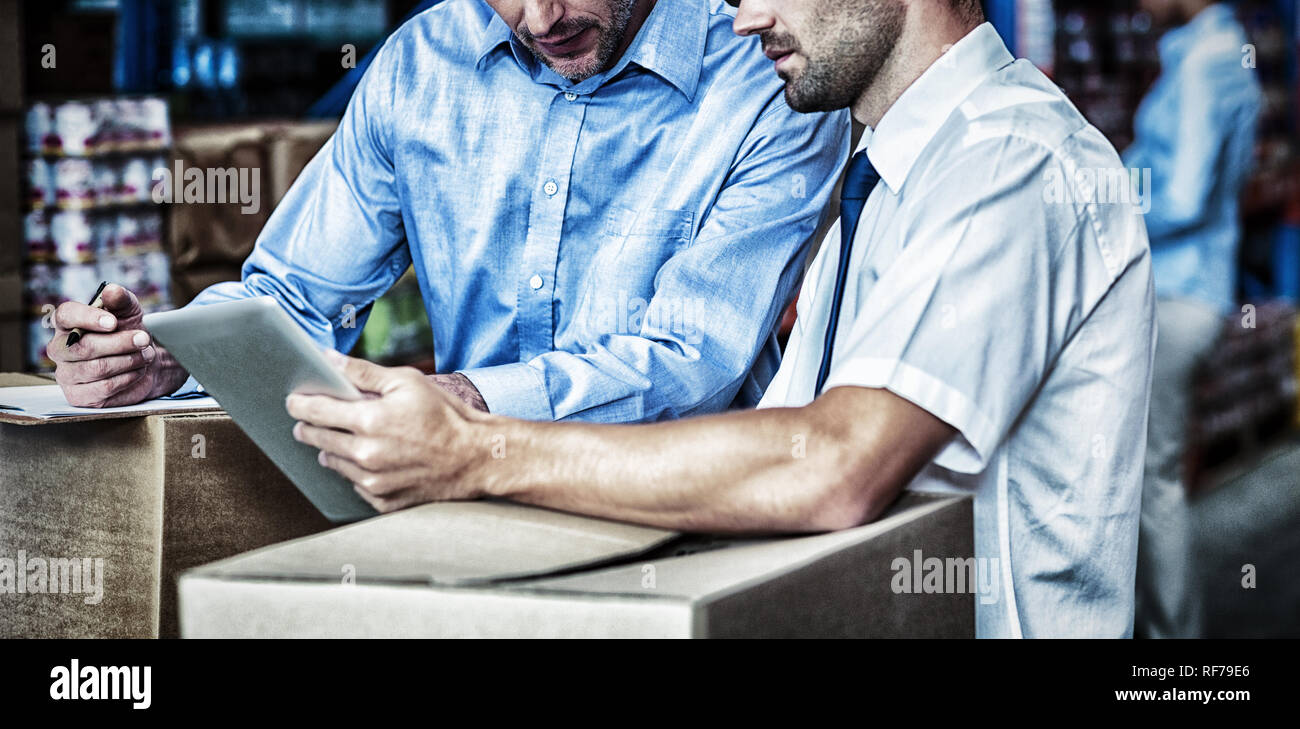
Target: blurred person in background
(1195, 131)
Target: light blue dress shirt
(1195, 131)
(615, 250)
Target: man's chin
(804, 104)
(575, 68)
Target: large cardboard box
(206, 234)
(500, 570)
(141, 498)
(291, 146)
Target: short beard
(860, 36)
(608, 42)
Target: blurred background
(97, 94)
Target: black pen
(74, 336)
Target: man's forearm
(717, 474)
(778, 470)
(836, 463)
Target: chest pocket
(638, 243)
(629, 223)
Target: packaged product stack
(1245, 395)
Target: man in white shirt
(990, 328)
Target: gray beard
(606, 45)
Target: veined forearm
(758, 471)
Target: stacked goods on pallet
(1245, 392)
(1106, 58)
(90, 209)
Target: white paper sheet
(47, 402)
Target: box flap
(22, 379)
(456, 543)
(729, 568)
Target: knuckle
(98, 369)
(76, 396)
(100, 391)
(367, 456)
(84, 348)
(62, 313)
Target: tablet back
(250, 355)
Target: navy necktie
(858, 184)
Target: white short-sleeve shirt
(1000, 279)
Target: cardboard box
(189, 282)
(291, 146)
(149, 496)
(440, 570)
(204, 234)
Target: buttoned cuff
(516, 390)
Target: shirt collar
(911, 123)
(670, 44)
(1176, 43)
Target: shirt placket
(536, 285)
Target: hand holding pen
(96, 301)
(103, 356)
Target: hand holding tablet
(250, 355)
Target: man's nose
(752, 17)
(542, 15)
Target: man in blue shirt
(607, 204)
(1196, 134)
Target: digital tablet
(250, 355)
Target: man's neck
(640, 12)
(927, 34)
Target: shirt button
(535, 282)
(550, 188)
(570, 96)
